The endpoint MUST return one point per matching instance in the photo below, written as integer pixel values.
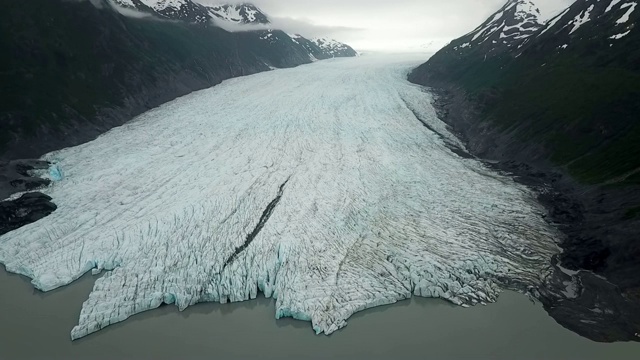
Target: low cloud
(309, 29)
(129, 12)
(303, 27)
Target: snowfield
(319, 186)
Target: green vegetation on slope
(586, 116)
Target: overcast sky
(398, 25)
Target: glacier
(330, 187)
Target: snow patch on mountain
(581, 19)
(627, 15)
(620, 36)
(232, 18)
(551, 23)
(239, 14)
(295, 38)
(611, 5)
(330, 46)
(163, 4)
(612, 19)
(508, 27)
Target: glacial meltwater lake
(36, 325)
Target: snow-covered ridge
(157, 5)
(234, 17)
(239, 14)
(185, 10)
(331, 46)
(512, 24)
(611, 19)
(553, 21)
(518, 22)
(194, 11)
(163, 4)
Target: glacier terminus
(331, 187)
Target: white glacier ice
(319, 186)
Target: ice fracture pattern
(331, 187)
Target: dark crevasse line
(266, 214)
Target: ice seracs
(330, 187)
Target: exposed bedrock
(28, 208)
(16, 177)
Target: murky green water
(36, 325)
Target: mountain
(240, 14)
(237, 14)
(72, 70)
(323, 48)
(195, 12)
(185, 10)
(333, 47)
(502, 35)
(556, 104)
(607, 21)
(507, 28)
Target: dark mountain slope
(486, 47)
(574, 84)
(559, 108)
(70, 70)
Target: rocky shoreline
(594, 290)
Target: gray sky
(399, 25)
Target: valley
(174, 163)
(319, 186)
